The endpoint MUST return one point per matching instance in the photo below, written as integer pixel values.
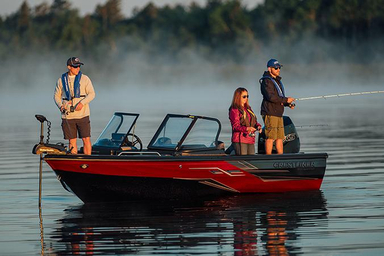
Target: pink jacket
(239, 132)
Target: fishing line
(69, 128)
(339, 95)
(304, 126)
(311, 125)
(66, 112)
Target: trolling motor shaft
(47, 148)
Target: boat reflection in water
(263, 224)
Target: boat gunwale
(170, 158)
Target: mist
(190, 81)
(307, 64)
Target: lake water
(346, 217)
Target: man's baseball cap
(273, 63)
(74, 61)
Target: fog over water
(186, 83)
(311, 63)
(344, 218)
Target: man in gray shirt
(73, 93)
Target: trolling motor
(291, 141)
(47, 148)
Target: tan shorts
(274, 127)
(72, 127)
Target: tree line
(219, 29)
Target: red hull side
(219, 174)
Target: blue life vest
(280, 91)
(76, 86)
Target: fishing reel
(64, 111)
(71, 110)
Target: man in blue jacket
(272, 107)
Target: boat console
(119, 135)
(177, 135)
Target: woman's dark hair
(236, 101)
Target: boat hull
(113, 178)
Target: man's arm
(89, 92)
(58, 94)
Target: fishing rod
(339, 95)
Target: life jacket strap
(280, 91)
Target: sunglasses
(245, 96)
(75, 66)
(276, 68)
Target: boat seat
(118, 136)
(230, 150)
(220, 145)
(163, 141)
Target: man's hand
(290, 100)
(64, 106)
(79, 106)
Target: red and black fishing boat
(183, 159)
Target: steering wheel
(132, 140)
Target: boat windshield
(186, 132)
(116, 130)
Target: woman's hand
(259, 129)
(251, 129)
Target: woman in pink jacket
(244, 123)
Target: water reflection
(41, 231)
(236, 225)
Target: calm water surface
(344, 218)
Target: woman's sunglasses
(245, 96)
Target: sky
(10, 6)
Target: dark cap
(273, 63)
(74, 61)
